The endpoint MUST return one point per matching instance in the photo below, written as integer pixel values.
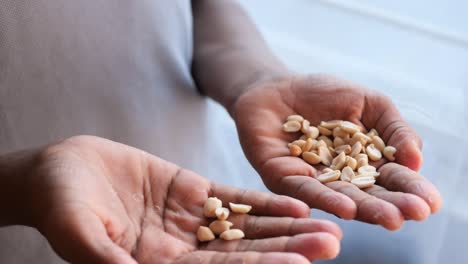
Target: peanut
(305, 126)
(338, 162)
(389, 153)
(338, 132)
(311, 158)
(295, 150)
(367, 168)
(299, 142)
(337, 142)
(297, 118)
(347, 174)
(378, 143)
(329, 176)
(232, 234)
(308, 145)
(292, 126)
(372, 132)
(325, 155)
(327, 140)
(219, 226)
(240, 208)
(312, 132)
(373, 153)
(359, 136)
(349, 127)
(351, 162)
(331, 124)
(211, 205)
(222, 213)
(363, 182)
(345, 148)
(204, 234)
(356, 149)
(324, 131)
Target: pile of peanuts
(214, 208)
(341, 146)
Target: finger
(256, 227)
(311, 245)
(317, 195)
(262, 203)
(80, 237)
(411, 206)
(370, 209)
(382, 114)
(395, 177)
(214, 257)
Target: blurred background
(414, 51)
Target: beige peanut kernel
(297, 118)
(222, 213)
(305, 126)
(373, 153)
(363, 182)
(240, 208)
(295, 150)
(204, 234)
(378, 143)
(219, 226)
(311, 157)
(325, 155)
(351, 162)
(347, 174)
(329, 176)
(312, 132)
(338, 162)
(324, 131)
(232, 234)
(349, 127)
(308, 145)
(389, 153)
(292, 126)
(211, 205)
(331, 124)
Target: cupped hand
(401, 193)
(99, 201)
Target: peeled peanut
(324, 131)
(359, 136)
(311, 158)
(299, 142)
(363, 182)
(305, 126)
(292, 126)
(326, 140)
(378, 143)
(373, 153)
(205, 234)
(325, 156)
(338, 162)
(349, 127)
(219, 226)
(211, 205)
(330, 124)
(295, 150)
(329, 176)
(338, 132)
(351, 162)
(345, 148)
(308, 145)
(240, 208)
(372, 133)
(367, 168)
(312, 132)
(297, 118)
(232, 234)
(356, 149)
(338, 142)
(347, 174)
(368, 174)
(389, 153)
(222, 213)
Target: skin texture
(401, 193)
(98, 201)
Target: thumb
(80, 237)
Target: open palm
(401, 192)
(104, 202)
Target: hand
(401, 193)
(98, 201)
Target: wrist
(15, 194)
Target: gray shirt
(111, 68)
